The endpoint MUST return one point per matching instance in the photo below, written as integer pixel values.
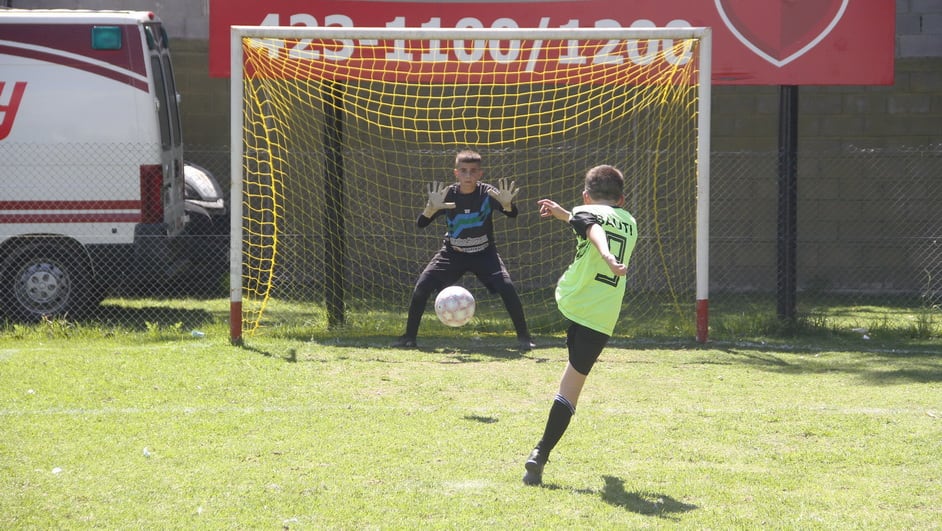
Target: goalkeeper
(589, 294)
(468, 206)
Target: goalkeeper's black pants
(448, 266)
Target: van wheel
(44, 280)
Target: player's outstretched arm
(596, 235)
(436, 199)
(505, 194)
(551, 209)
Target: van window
(157, 38)
(171, 131)
(174, 110)
(163, 106)
(106, 38)
(149, 33)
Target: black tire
(47, 280)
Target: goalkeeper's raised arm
(505, 194)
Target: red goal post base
(703, 313)
(235, 323)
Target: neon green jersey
(589, 293)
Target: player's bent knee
(425, 289)
(503, 285)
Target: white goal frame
(703, 34)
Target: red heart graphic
(781, 30)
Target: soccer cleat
(405, 342)
(525, 344)
(534, 466)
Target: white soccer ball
(454, 306)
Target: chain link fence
(869, 233)
(82, 222)
(869, 224)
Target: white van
(91, 157)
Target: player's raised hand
(436, 198)
(552, 209)
(505, 194)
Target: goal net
(337, 132)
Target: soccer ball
(454, 306)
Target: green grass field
(152, 428)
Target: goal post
(336, 132)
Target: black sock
(559, 416)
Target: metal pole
(787, 201)
(703, 186)
(335, 242)
(235, 200)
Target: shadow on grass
(138, 319)
(873, 369)
(142, 318)
(481, 419)
(447, 352)
(289, 356)
(646, 503)
(458, 350)
(878, 366)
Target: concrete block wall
(204, 99)
(918, 28)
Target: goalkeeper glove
(436, 199)
(505, 194)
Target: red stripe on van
(72, 62)
(70, 205)
(70, 218)
(52, 212)
(76, 39)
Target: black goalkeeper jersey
(469, 226)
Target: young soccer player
(589, 294)
(468, 206)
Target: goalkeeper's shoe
(405, 342)
(525, 344)
(534, 466)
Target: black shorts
(448, 266)
(585, 346)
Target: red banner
(755, 42)
(469, 59)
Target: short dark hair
(605, 183)
(467, 156)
